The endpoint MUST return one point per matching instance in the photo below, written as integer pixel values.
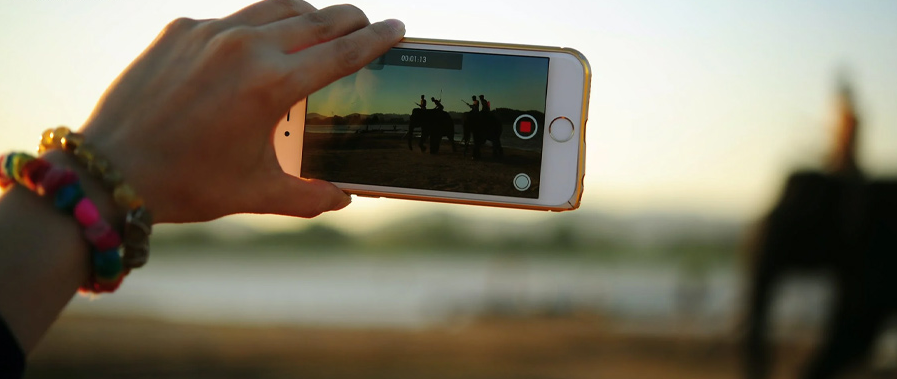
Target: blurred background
(699, 111)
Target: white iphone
(449, 121)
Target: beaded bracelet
(138, 220)
(62, 186)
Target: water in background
(421, 291)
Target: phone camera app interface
(434, 120)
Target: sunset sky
(697, 106)
(505, 81)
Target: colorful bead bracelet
(62, 186)
(138, 220)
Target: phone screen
(432, 120)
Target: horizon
(327, 120)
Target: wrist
(83, 196)
(136, 168)
(137, 224)
(93, 187)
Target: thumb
(292, 196)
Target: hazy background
(698, 111)
(696, 106)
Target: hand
(190, 122)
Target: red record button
(525, 126)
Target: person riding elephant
(484, 126)
(485, 103)
(423, 102)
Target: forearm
(43, 256)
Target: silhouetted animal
(483, 126)
(842, 226)
(434, 124)
(838, 222)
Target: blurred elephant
(838, 222)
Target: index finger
(268, 11)
(322, 64)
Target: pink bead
(86, 212)
(110, 240)
(56, 178)
(94, 231)
(101, 236)
(51, 180)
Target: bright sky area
(697, 106)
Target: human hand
(190, 122)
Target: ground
(573, 347)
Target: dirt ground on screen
(384, 159)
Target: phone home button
(561, 129)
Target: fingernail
(399, 26)
(347, 199)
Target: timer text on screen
(420, 58)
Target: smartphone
(449, 121)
